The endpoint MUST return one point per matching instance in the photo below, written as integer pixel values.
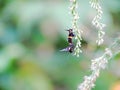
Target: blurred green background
(33, 31)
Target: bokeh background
(33, 31)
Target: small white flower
(99, 16)
(99, 41)
(72, 7)
(72, 0)
(108, 52)
(76, 17)
(101, 34)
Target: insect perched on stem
(69, 48)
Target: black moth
(70, 47)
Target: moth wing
(65, 49)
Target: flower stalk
(96, 20)
(98, 64)
(74, 13)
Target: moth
(70, 47)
